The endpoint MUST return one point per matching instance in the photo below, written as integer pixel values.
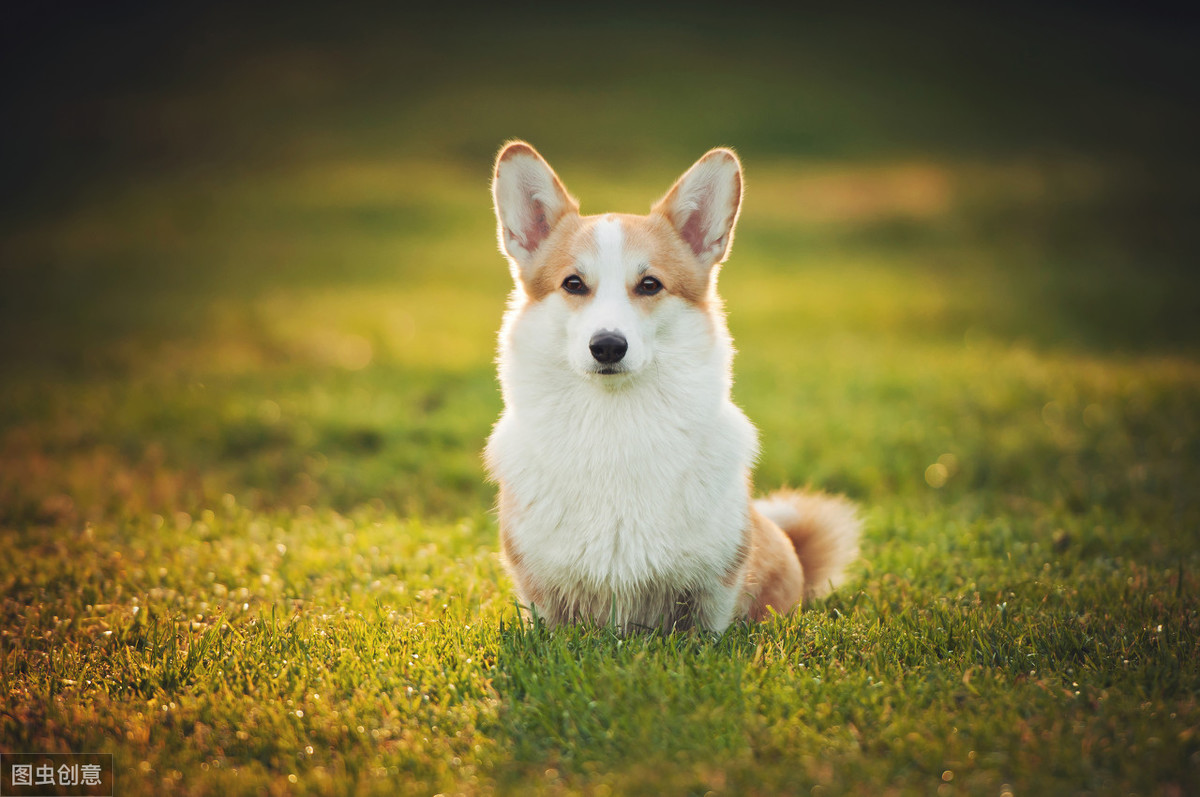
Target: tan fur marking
(667, 257)
(508, 511)
(824, 530)
(513, 560)
(517, 148)
(670, 260)
(774, 578)
(557, 259)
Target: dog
(622, 463)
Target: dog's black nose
(608, 347)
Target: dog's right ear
(530, 201)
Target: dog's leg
(713, 609)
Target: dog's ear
(529, 199)
(703, 205)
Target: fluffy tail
(824, 530)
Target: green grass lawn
(246, 375)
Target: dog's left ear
(703, 205)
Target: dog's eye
(649, 286)
(573, 284)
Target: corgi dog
(623, 464)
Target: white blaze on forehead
(610, 242)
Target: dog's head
(614, 289)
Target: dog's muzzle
(608, 347)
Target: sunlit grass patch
(270, 644)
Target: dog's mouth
(608, 370)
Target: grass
(246, 375)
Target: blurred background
(251, 250)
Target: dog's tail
(824, 530)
